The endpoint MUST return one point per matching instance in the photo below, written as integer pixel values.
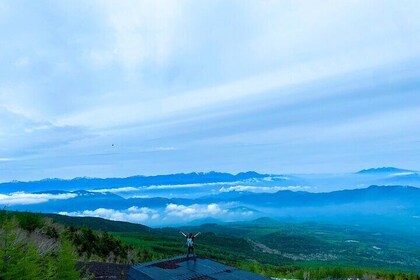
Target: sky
(118, 88)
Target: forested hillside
(35, 246)
(31, 248)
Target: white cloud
(140, 196)
(22, 198)
(194, 211)
(269, 84)
(174, 73)
(261, 189)
(133, 214)
(402, 174)
(144, 32)
(142, 29)
(159, 187)
(115, 190)
(181, 186)
(173, 213)
(158, 149)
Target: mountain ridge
(83, 183)
(382, 170)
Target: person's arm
(183, 234)
(197, 234)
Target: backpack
(190, 242)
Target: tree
(18, 260)
(9, 251)
(29, 221)
(28, 264)
(66, 263)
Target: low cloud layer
(22, 198)
(194, 211)
(181, 186)
(116, 190)
(133, 214)
(260, 189)
(171, 214)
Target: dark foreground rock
(105, 271)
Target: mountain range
(370, 196)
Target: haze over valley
(371, 196)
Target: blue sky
(116, 88)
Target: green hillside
(264, 246)
(296, 245)
(98, 223)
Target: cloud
(23, 135)
(171, 214)
(173, 82)
(226, 212)
(140, 196)
(116, 190)
(133, 214)
(194, 211)
(159, 187)
(158, 149)
(22, 198)
(261, 189)
(402, 174)
(181, 186)
(143, 32)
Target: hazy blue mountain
(212, 182)
(158, 201)
(373, 193)
(86, 200)
(383, 170)
(374, 205)
(83, 201)
(199, 222)
(383, 196)
(84, 183)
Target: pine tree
(66, 263)
(8, 250)
(18, 260)
(28, 264)
(50, 266)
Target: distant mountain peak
(382, 170)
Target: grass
(300, 246)
(274, 249)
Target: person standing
(190, 238)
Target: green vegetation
(20, 257)
(296, 272)
(293, 250)
(33, 246)
(101, 245)
(98, 224)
